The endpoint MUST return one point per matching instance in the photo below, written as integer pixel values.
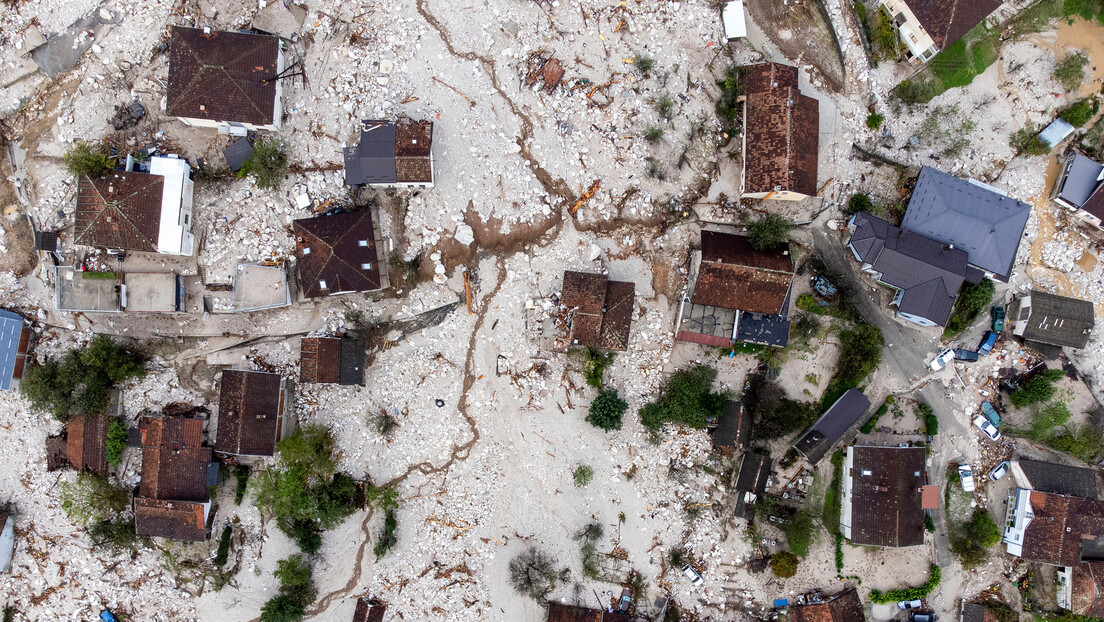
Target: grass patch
(935, 576)
(972, 299)
(830, 515)
(860, 353)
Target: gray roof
(237, 153)
(1058, 320)
(373, 160)
(733, 426)
(930, 273)
(973, 217)
(755, 470)
(1059, 478)
(352, 363)
(833, 424)
(11, 332)
(1082, 178)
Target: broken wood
(467, 290)
(824, 186)
(586, 195)
(454, 89)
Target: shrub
(116, 441)
(533, 574)
(972, 299)
(268, 164)
(686, 399)
(665, 106)
(223, 553)
(976, 537)
(643, 63)
(81, 382)
(839, 552)
(92, 497)
(1026, 140)
(1070, 73)
(582, 475)
(929, 523)
(935, 575)
(241, 475)
(1037, 390)
(595, 368)
(859, 202)
(874, 121)
(799, 533)
(677, 557)
(830, 515)
(91, 159)
(784, 564)
(297, 591)
(653, 134)
(732, 88)
(1079, 114)
(931, 422)
(773, 413)
(606, 411)
(116, 535)
(387, 539)
(588, 537)
(860, 354)
(1084, 442)
(769, 232)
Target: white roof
(733, 16)
(175, 170)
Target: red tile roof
(733, 275)
(413, 141)
(1088, 590)
(783, 134)
(843, 607)
(222, 76)
(320, 360)
(178, 520)
(1055, 535)
(339, 248)
(948, 21)
(251, 407)
(122, 210)
(603, 309)
(174, 460)
(86, 443)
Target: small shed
(735, 26)
(1055, 133)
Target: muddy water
(1087, 36)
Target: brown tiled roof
(337, 254)
(886, 508)
(369, 610)
(603, 309)
(320, 360)
(1062, 529)
(174, 460)
(178, 520)
(413, 140)
(86, 443)
(783, 138)
(569, 613)
(734, 275)
(975, 612)
(764, 77)
(222, 76)
(1088, 589)
(122, 210)
(843, 607)
(250, 413)
(948, 20)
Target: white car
(909, 604)
(999, 471)
(944, 357)
(966, 475)
(990, 430)
(692, 574)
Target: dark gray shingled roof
(1058, 320)
(1059, 478)
(733, 426)
(929, 272)
(833, 424)
(1081, 180)
(373, 160)
(755, 470)
(970, 216)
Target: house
(1055, 478)
(369, 610)
(882, 490)
(331, 360)
(137, 211)
(1080, 188)
(225, 80)
(977, 612)
(391, 154)
(926, 274)
(736, 294)
(254, 413)
(751, 483)
(969, 215)
(7, 541)
(86, 443)
(339, 254)
(732, 16)
(1054, 529)
(930, 26)
(173, 499)
(599, 310)
(841, 417)
(733, 429)
(781, 135)
(152, 292)
(15, 343)
(1052, 320)
(558, 612)
(843, 607)
(1082, 593)
(256, 287)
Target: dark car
(106, 616)
(965, 355)
(987, 343)
(998, 319)
(625, 601)
(923, 616)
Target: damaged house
(927, 27)
(339, 254)
(254, 413)
(225, 80)
(781, 135)
(736, 294)
(926, 274)
(173, 499)
(1052, 320)
(839, 421)
(1080, 188)
(599, 310)
(845, 606)
(881, 491)
(331, 360)
(391, 154)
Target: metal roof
(833, 424)
(1082, 178)
(11, 331)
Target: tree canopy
(606, 410)
(769, 232)
(688, 399)
(81, 382)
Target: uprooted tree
(533, 573)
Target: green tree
(223, 552)
(268, 164)
(1079, 114)
(594, 369)
(1026, 140)
(91, 159)
(117, 535)
(784, 564)
(769, 232)
(81, 382)
(972, 299)
(387, 539)
(1037, 390)
(116, 441)
(686, 399)
(606, 410)
(297, 591)
(732, 88)
(92, 497)
(773, 413)
(972, 542)
(860, 354)
(1070, 73)
(799, 532)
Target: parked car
(987, 343)
(923, 616)
(625, 601)
(966, 476)
(940, 361)
(999, 471)
(990, 413)
(989, 429)
(107, 616)
(692, 574)
(965, 355)
(909, 604)
(998, 319)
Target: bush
(929, 523)
(1037, 390)
(223, 553)
(116, 535)
(91, 159)
(686, 399)
(860, 354)
(839, 552)
(1070, 73)
(732, 88)
(665, 106)
(582, 475)
(116, 441)
(81, 382)
(269, 163)
(784, 564)
(977, 536)
(241, 475)
(931, 422)
(859, 202)
(92, 497)
(387, 539)
(1078, 114)
(595, 368)
(643, 63)
(606, 411)
(912, 593)
(297, 591)
(1084, 442)
(868, 427)
(533, 574)
(773, 413)
(677, 557)
(653, 134)
(830, 515)
(1026, 140)
(972, 300)
(874, 121)
(769, 232)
